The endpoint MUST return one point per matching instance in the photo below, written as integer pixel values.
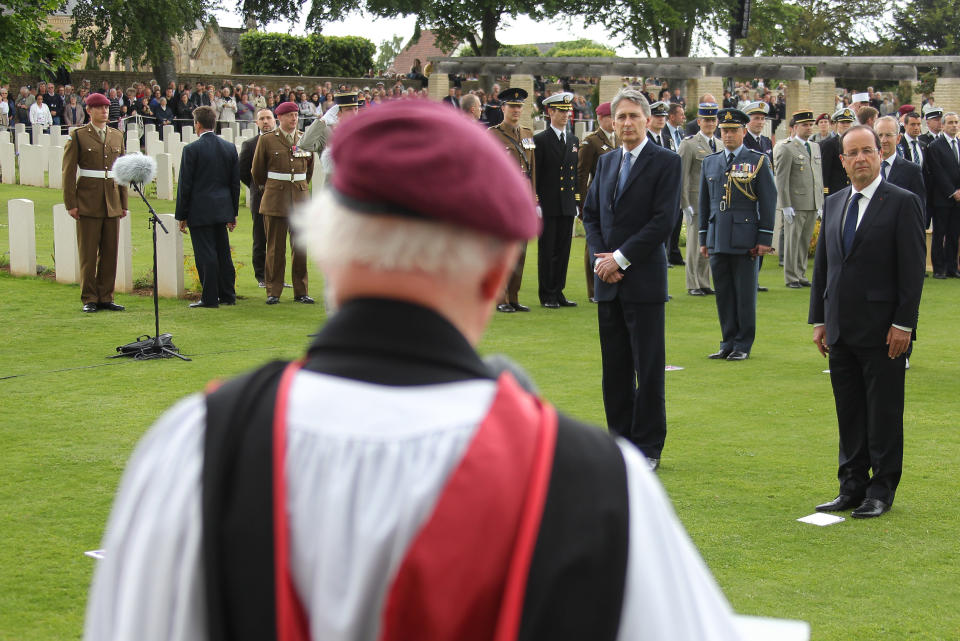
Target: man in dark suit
(556, 186)
(208, 198)
(943, 158)
(933, 118)
(834, 176)
(868, 277)
(266, 123)
(628, 214)
(911, 147)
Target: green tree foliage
(925, 27)
(561, 49)
(814, 28)
(313, 55)
(387, 53)
(585, 52)
(138, 29)
(513, 51)
(27, 45)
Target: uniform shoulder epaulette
(496, 126)
(689, 137)
(527, 129)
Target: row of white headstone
(23, 249)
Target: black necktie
(713, 146)
(850, 224)
(659, 142)
(884, 169)
(729, 160)
(561, 140)
(916, 154)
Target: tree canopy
(28, 46)
(815, 28)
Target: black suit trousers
(259, 246)
(868, 390)
(211, 252)
(632, 353)
(945, 240)
(553, 257)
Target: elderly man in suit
(208, 198)
(594, 145)
(628, 214)
(943, 156)
(868, 277)
(692, 151)
(266, 123)
(799, 177)
(96, 202)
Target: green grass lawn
(751, 446)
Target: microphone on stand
(135, 169)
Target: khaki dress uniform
(693, 150)
(285, 172)
(89, 186)
(799, 177)
(593, 146)
(519, 144)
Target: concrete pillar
(609, 86)
(169, 140)
(66, 258)
(798, 97)
(524, 82)
(8, 162)
(440, 86)
(124, 280)
(823, 95)
(169, 258)
(175, 150)
(227, 134)
(168, 130)
(164, 177)
(712, 85)
(32, 166)
(23, 237)
(947, 94)
(153, 144)
(55, 167)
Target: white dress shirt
(618, 256)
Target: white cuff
(902, 328)
(818, 324)
(621, 259)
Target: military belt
(94, 173)
(286, 177)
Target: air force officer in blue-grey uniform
(738, 198)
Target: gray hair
(467, 102)
(949, 113)
(633, 96)
(890, 119)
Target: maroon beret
(286, 107)
(97, 100)
(823, 117)
(905, 109)
(603, 109)
(422, 159)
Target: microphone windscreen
(134, 168)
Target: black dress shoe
(939, 276)
(273, 300)
(870, 508)
(737, 355)
(89, 308)
(761, 288)
(306, 300)
(722, 354)
(550, 305)
(839, 504)
(696, 292)
(517, 307)
(805, 283)
(567, 303)
(112, 306)
(200, 303)
(795, 285)
(707, 291)
(506, 308)
(228, 302)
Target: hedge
(313, 55)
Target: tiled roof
(423, 49)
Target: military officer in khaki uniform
(94, 199)
(284, 170)
(594, 145)
(518, 141)
(798, 171)
(692, 151)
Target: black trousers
(945, 239)
(674, 257)
(632, 352)
(259, 246)
(553, 257)
(735, 282)
(868, 391)
(211, 253)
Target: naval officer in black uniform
(738, 198)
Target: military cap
(803, 116)
(707, 110)
(287, 107)
(823, 116)
(932, 112)
(406, 159)
(562, 101)
(757, 107)
(513, 96)
(346, 99)
(843, 114)
(659, 108)
(860, 97)
(97, 100)
(732, 118)
(603, 109)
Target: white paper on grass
(767, 629)
(95, 554)
(672, 368)
(821, 519)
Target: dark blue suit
(208, 197)
(858, 296)
(944, 181)
(636, 222)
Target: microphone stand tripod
(159, 346)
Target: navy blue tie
(850, 223)
(624, 172)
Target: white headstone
(57, 139)
(169, 258)
(235, 129)
(19, 128)
(35, 133)
(175, 150)
(43, 141)
(8, 162)
(539, 125)
(23, 237)
(164, 177)
(133, 141)
(65, 254)
(5, 135)
(169, 140)
(55, 167)
(580, 129)
(23, 139)
(32, 165)
(124, 280)
(168, 130)
(186, 133)
(227, 134)
(150, 128)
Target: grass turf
(751, 446)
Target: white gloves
(539, 212)
(330, 117)
(688, 214)
(788, 214)
(819, 214)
